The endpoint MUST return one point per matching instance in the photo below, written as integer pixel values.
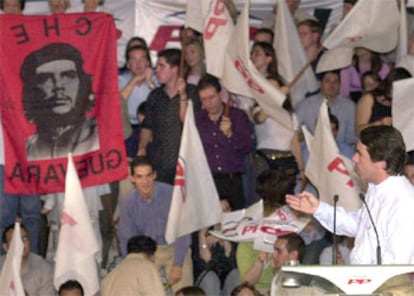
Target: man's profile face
(59, 81)
(364, 166)
(281, 255)
(164, 71)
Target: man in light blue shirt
(343, 108)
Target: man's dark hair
(385, 86)
(265, 31)
(140, 161)
(139, 47)
(36, 110)
(410, 158)
(334, 120)
(191, 291)
(272, 186)
(385, 143)
(208, 81)
(171, 55)
(353, 2)
(335, 72)
(10, 228)
(141, 244)
(244, 285)
(22, 4)
(100, 2)
(69, 286)
(294, 243)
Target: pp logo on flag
(180, 176)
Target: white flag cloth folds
(240, 76)
(195, 202)
(291, 55)
(403, 110)
(334, 59)
(250, 225)
(10, 279)
(330, 172)
(402, 46)
(370, 23)
(218, 28)
(77, 246)
(194, 16)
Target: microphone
(362, 197)
(334, 239)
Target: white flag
(195, 202)
(402, 47)
(403, 110)
(194, 16)
(329, 171)
(291, 56)
(370, 23)
(336, 58)
(240, 76)
(10, 279)
(218, 28)
(77, 246)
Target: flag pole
(228, 105)
(304, 68)
(182, 61)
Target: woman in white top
(277, 146)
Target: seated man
(125, 280)
(36, 273)
(288, 248)
(145, 212)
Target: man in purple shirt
(145, 212)
(226, 137)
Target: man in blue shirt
(144, 211)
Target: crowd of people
(251, 157)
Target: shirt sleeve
(182, 245)
(346, 222)
(125, 224)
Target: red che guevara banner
(59, 94)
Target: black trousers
(230, 187)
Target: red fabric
(94, 35)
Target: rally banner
(250, 225)
(59, 94)
(331, 173)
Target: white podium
(348, 279)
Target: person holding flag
(226, 137)
(36, 273)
